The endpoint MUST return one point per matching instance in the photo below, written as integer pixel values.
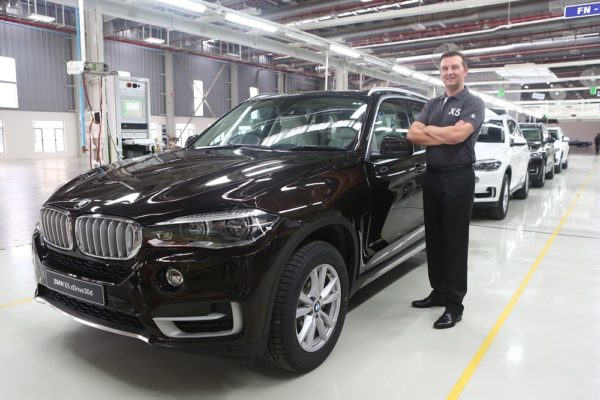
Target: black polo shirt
(446, 111)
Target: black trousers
(448, 203)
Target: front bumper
(536, 168)
(488, 185)
(222, 308)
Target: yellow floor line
(474, 363)
(16, 302)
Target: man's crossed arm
(431, 135)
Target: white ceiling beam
(403, 13)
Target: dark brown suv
(249, 241)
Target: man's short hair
(455, 53)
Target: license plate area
(81, 290)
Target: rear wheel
(501, 208)
(309, 309)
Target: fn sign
(582, 10)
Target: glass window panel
(9, 97)
(38, 145)
(8, 69)
(60, 139)
(49, 140)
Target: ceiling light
(526, 73)
(377, 61)
(402, 70)
(249, 22)
(154, 40)
(303, 37)
(185, 5)
(41, 18)
(421, 76)
(344, 51)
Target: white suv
(502, 166)
(561, 148)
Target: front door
(396, 201)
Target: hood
(487, 151)
(156, 187)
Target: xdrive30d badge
(249, 241)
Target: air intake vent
(108, 237)
(56, 228)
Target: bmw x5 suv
(249, 241)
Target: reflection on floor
(546, 349)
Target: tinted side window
(414, 108)
(391, 120)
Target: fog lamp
(174, 277)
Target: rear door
(395, 200)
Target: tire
(501, 209)
(542, 181)
(523, 192)
(296, 294)
(566, 163)
(558, 167)
(550, 174)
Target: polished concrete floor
(531, 328)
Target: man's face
(452, 72)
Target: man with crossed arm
(448, 126)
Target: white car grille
(108, 237)
(56, 228)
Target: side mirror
(566, 139)
(517, 142)
(550, 140)
(395, 147)
(190, 140)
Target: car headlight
(487, 165)
(537, 154)
(213, 230)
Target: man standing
(448, 126)
(597, 143)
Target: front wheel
(501, 209)
(310, 308)
(566, 163)
(523, 192)
(558, 167)
(550, 174)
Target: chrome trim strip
(395, 90)
(393, 265)
(396, 247)
(169, 329)
(94, 325)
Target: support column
(169, 96)
(94, 47)
(235, 96)
(341, 79)
(281, 80)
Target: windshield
(553, 133)
(491, 132)
(325, 122)
(532, 133)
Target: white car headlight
(213, 230)
(487, 165)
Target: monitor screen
(132, 108)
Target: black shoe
(429, 301)
(447, 320)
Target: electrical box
(128, 114)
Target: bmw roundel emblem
(82, 203)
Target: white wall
(19, 137)
(583, 130)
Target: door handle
(420, 166)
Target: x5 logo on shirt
(455, 112)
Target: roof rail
(394, 89)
